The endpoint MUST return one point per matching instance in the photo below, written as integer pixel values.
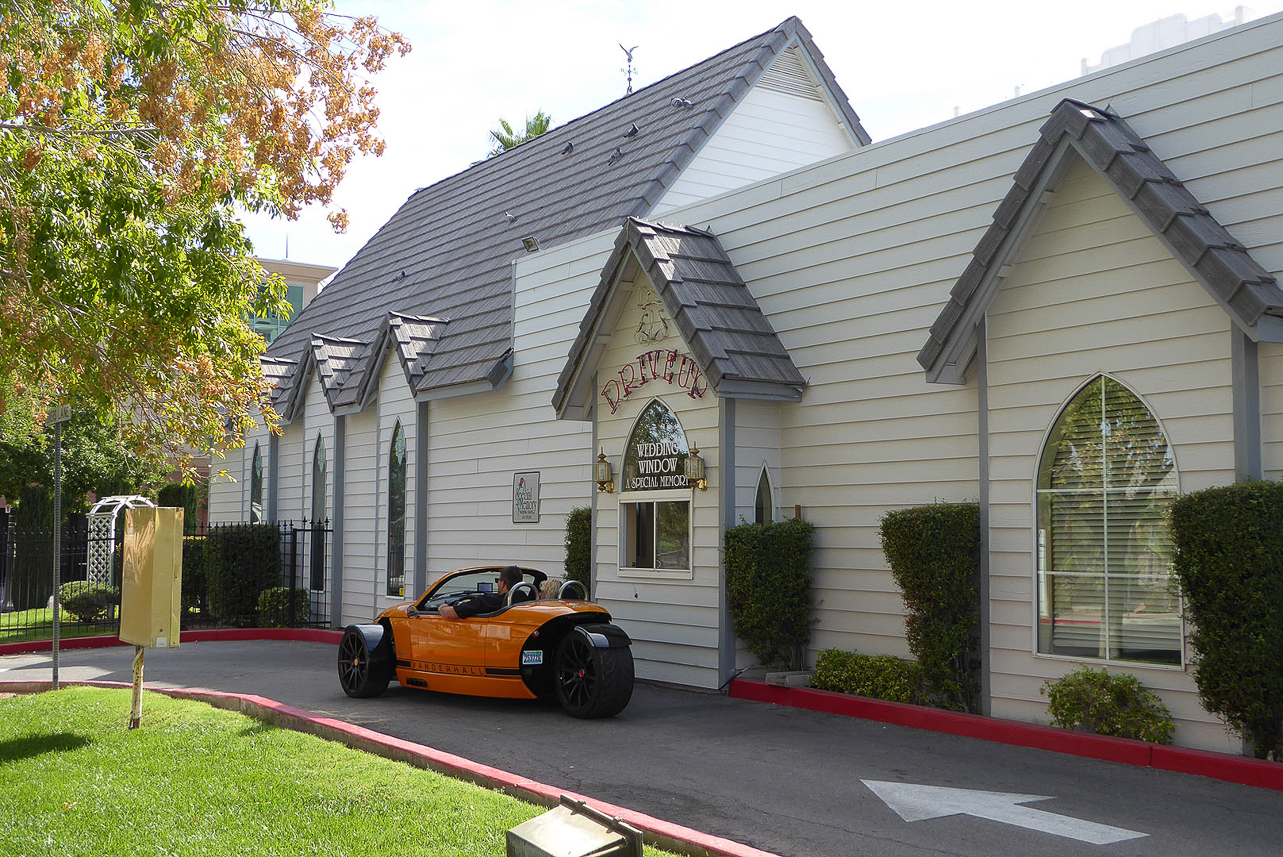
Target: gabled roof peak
(1247, 292)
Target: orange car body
(526, 647)
(480, 656)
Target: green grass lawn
(197, 780)
(20, 626)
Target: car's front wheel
(593, 682)
(363, 673)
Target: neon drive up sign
(659, 365)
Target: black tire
(363, 674)
(592, 682)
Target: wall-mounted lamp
(601, 472)
(695, 469)
(530, 244)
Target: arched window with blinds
(396, 512)
(1105, 480)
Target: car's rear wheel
(593, 682)
(363, 673)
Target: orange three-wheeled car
(563, 646)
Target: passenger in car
(486, 602)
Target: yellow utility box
(152, 584)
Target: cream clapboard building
(1064, 307)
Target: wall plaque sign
(525, 497)
(667, 365)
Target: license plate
(532, 658)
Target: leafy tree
(505, 138)
(130, 132)
(93, 460)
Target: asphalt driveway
(780, 779)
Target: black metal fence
(234, 575)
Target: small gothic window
(318, 515)
(396, 513)
(256, 487)
(764, 509)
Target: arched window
(256, 487)
(654, 503)
(1106, 478)
(318, 515)
(396, 513)
(764, 506)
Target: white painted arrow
(917, 803)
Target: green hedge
(579, 545)
(87, 601)
(32, 583)
(1091, 700)
(1229, 565)
(274, 607)
(240, 562)
(768, 584)
(874, 676)
(934, 552)
(195, 587)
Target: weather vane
(628, 52)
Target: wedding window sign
(655, 458)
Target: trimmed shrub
(934, 552)
(579, 545)
(274, 607)
(87, 601)
(875, 676)
(768, 588)
(1089, 700)
(240, 562)
(187, 496)
(1229, 565)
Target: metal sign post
(59, 416)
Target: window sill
(1113, 662)
(656, 573)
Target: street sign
(918, 803)
(60, 414)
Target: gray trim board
(336, 545)
(273, 471)
(421, 442)
(986, 609)
(1246, 382)
(726, 482)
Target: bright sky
(903, 66)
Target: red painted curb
(659, 833)
(1234, 769)
(302, 635)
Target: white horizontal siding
(360, 515)
(768, 133)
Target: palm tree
(505, 138)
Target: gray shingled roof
(1231, 276)
(447, 252)
(715, 313)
